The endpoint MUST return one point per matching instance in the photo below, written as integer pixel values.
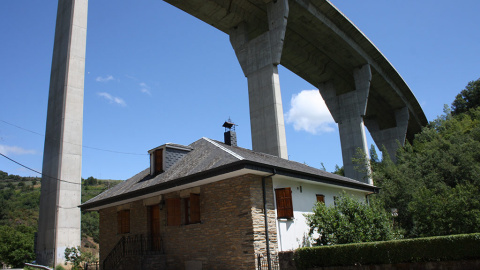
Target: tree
(434, 171)
(446, 210)
(467, 99)
(339, 170)
(349, 221)
(76, 256)
(90, 225)
(91, 181)
(16, 245)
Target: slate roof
(210, 158)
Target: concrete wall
(293, 233)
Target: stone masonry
(231, 232)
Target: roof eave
(264, 169)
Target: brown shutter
(194, 208)
(174, 217)
(284, 202)
(126, 225)
(123, 221)
(186, 210)
(158, 161)
(119, 222)
(320, 198)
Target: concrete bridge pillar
(393, 137)
(259, 59)
(348, 111)
(59, 219)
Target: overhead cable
(84, 146)
(38, 171)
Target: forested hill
(19, 207)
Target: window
(284, 202)
(158, 161)
(321, 198)
(123, 221)
(192, 209)
(174, 217)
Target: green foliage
(446, 210)
(91, 181)
(469, 98)
(435, 184)
(59, 267)
(16, 245)
(75, 256)
(20, 206)
(444, 248)
(339, 170)
(350, 221)
(90, 225)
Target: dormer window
(165, 156)
(158, 161)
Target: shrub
(442, 248)
(349, 221)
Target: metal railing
(91, 266)
(262, 262)
(133, 245)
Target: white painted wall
(293, 233)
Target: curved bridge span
(318, 43)
(309, 37)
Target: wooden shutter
(174, 217)
(186, 208)
(284, 202)
(158, 161)
(155, 227)
(194, 208)
(320, 198)
(123, 221)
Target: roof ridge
(237, 156)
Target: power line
(84, 146)
(38, 171)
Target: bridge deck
(321, 45)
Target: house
(202, 206)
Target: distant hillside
(19, 207)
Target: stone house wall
(231, 232)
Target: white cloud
(104, 79)
(112, 99)
(16, 150)
(308, 112)
(145, 88)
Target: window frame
(123, 221)
(174, 213)
(284, 203)
(320, 198)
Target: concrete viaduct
(309, 37)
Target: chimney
(230, 136)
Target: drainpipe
(265, 214)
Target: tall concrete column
(393, 137)
(348, 111)
(59, 219)
(259, 59)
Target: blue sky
(155, 74)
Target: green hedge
(442, 248)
